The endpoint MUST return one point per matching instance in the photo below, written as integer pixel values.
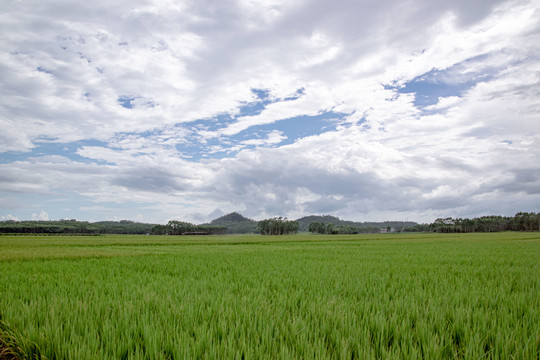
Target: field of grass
(470, 296)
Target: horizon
(252, 219)
(151, 111)
(233, 212)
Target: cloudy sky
(368, 110)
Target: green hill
(236, 224)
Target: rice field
(391, 296)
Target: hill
(236, 223)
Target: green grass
(474, 296)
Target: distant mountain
(236, 223)
(304, 222)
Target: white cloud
(70, 72)
(444, 103)
(312, 103)
(273, 138)
(9, 217)
(264, 12)
(41, 216)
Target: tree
(330, 228)
(317, 227)
(277, 226)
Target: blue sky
(159, 110)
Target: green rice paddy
(402, 296)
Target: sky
(367, 110)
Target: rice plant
(305, 296)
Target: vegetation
(277, 226)
(74, 227)
(351, 227)
(236, 224)
(184, 228)
(407, 296)
(522, 221)
(322, 228)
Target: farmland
(302, 296)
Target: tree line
(522, 221)
(346, 226)
(277, 226)
(322, 228)
(175, 227)
(72, 227)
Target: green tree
(277, 226)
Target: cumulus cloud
(41, 216)
(9, 217)
(190, 109)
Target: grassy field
(471, 296)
